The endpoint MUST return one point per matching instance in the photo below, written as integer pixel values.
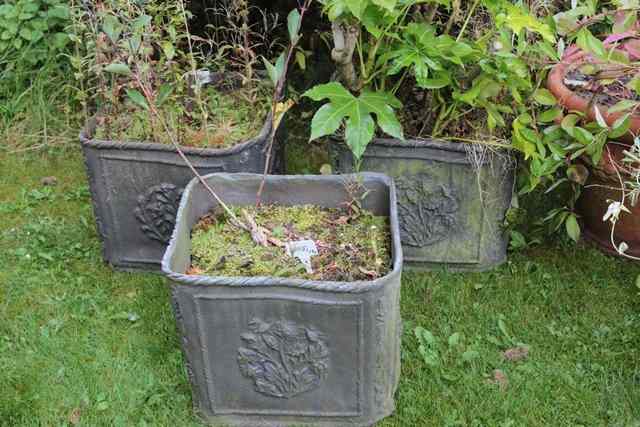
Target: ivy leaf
(550, 115)
(137, 98)
(587, 42)
(624, 105)
(545, 97)
(620, 126)
(517, 19)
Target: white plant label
(303, 250)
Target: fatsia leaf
(359, 132)
(382, 104)
(356, 7)
(389, 5)
(327, 120)
(333, 91)
(356, 113)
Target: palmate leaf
(427, 55)
(357, 114)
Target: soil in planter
(233, 117)
(420, 112)
(352, 244)
(603, 84)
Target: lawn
(83, 345)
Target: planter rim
(569, 99)
(87, 140)
(267, 281)
(440, 144)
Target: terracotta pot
(602, 187)
(574, 102)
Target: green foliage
(34, 28)
(356, 112)
(428, 56)
(492, 72)
(559, 145)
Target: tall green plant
(379, 45)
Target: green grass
(80, 342)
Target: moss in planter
(352, 246)
(233, 117)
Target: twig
(278, 108)
(150, 102)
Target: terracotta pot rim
(570, 100)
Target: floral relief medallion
(157, 211)
(283, 358)
(428, 211)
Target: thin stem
(466, 22)
(154, 111)
(276, 114)
(194, 71)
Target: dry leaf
(276, 242)
(500, 379)
(49, 181)
(194, 271)
(516, 354)
(257, 233)
(74, 417)
(369, 273)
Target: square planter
(266, 351)
(136, 187)
(452, 200)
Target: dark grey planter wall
(136, 188)
(450, 215)
(340, 341)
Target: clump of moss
(231, 118)
(351, 246)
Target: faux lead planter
(332, 355)
(452, 200)
(136, 187)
